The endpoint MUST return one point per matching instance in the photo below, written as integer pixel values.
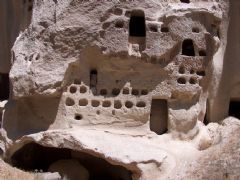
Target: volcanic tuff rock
(131, 89)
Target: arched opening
(83, 102)
(70, 101)
(144, 92)
(103, 92)
(73, 89)
(95, 103)
(128, 104)
(141, 104)
(83, 89)
(117, 104)
(33, 157)
(115, 91)
(106, 103)
(137, 27)
(188, 48)
(125, 90)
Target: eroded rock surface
(121, 89)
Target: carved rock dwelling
(117, 89)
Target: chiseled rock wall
(130, 82)
(87, 65)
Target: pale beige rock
(5, 142)
(94, 71)
(124, 84)
(151, 157)
(49, 176)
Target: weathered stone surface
(151, 157)
(98, 70)
(49, 176)
(126, 86)
(5, 142)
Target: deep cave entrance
(234, 109)
(33, 156)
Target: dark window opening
(4, 86)
(153, 28)
(137, 30)
(181, 80)
(195, 30)
(103, 92)
(33, 157)
(201, 73)
(30, 8)
(159, 116)
(119, 24)
(93, 80)
(202, 53)
(78, 117)
(164, 29)
(234, 109)
(185, 1)
(188, 48)
(137, 25)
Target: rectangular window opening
(4, 86)
(137, 27)
(234, 108)
(159, 116)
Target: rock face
(122, 85)
(145, 64)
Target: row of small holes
(128, 104)
(106, 103)
(115, 91)
(154, 28)
(120, 24)
(182, 80)
(73, 89)
(181, 70)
